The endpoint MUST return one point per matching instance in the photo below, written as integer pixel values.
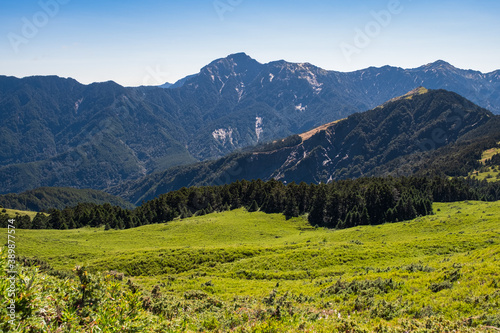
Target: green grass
(491, 173)
(13, 212)
(454, 228)
(442, 266)
(488, 154)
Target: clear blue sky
(154, 41)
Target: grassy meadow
(488, 173)
(256, 272)
(13, 213)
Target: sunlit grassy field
(444, 267)
(13, 213)
(488, 154)
(490, 173)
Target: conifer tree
(235, 202)
(317, 214)
(291, 209)
(56, 219)
(364, 218)
(253, 207)
(72, 224)
(209, 209)
(39, 221)
(120, 225)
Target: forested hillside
(58, 132)
(339, 204)
(46, 198)
(385, 140)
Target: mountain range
(58, 132)
(363, 144)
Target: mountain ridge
(348, 148)
(58, 132)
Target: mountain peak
(237, 62)
(235, 59)
(240, 56)
(166, 85)
(307, 135)
(409, 95)
(440, 64)
(417, 91)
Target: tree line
(44, 198)
(339, 204)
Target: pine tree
(56, 219)
(291, 209)
(129, 222)
(303, 197)
(235, 202)
(317, 214)
(72, 224)
(332, 211)
(209, 209)
(340, 224)
(389, 215)
(120, 225)
(39, 221)
(253, 207)
(364, 218)
(185, 213)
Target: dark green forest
(340, 204)
(455, 160)
(46, 198)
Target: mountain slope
(422, 120)
(43, 199)
(57, 132)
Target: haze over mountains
(57, 132)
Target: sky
(151, 42)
